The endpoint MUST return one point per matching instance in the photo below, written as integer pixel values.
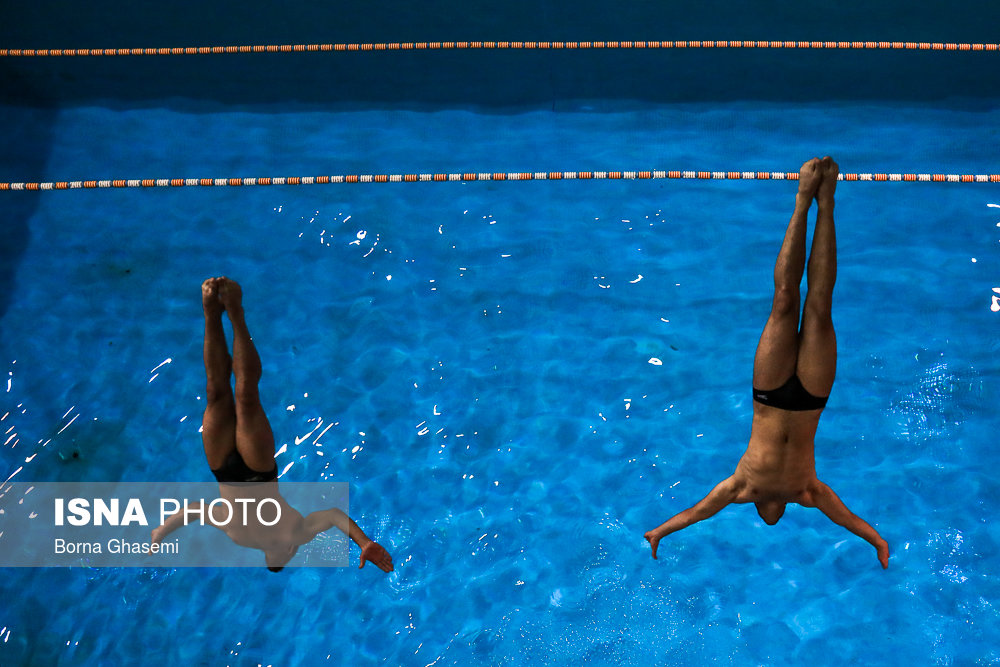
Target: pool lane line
(432, 46)
(497, 176)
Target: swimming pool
(482, 352)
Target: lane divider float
(486, 176)
(434, 46)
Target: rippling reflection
(943, 398)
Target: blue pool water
(483, 354)
(474, 359)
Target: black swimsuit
(236, 470)
(790, 396)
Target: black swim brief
(236, 470)
(790, 396)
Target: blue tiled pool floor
(482, 354)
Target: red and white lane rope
(430, 46)
(495, 176)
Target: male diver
(793, 374)
(239, 444)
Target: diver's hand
(654, 541)
(883, 554)
(376, 553)
(158, 534)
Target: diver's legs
(777, 351)
(254, 438)
(218, 426)
(817, 363)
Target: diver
(793, 374)
(239, 445)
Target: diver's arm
(318, 522)
(321, 521)
(723, 494)
(826, 501)
(175, 521)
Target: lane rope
(432, 46)
(497, 176)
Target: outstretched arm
(175, 521)
(724, 493)
(317, 522)
(831, 505)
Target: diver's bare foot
(810, 176)
(210, 298)
(231, 296)
(828, 184)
